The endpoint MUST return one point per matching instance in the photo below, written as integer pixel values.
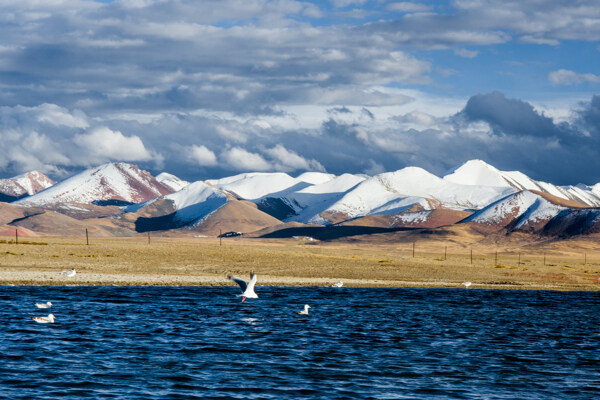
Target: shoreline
(16, 277)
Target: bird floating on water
(466, 284)
(44, 320)
(305, 311)
(43, 305)
(247, 289)
(68, 274)
(338, 284)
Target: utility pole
(220, 238)
(16, 236)
(445, 251)
(544, 259)
(87, 240)
(413, 249)
(471, 256)
(148, 237)
(496, 258)
(519, 264)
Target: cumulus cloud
(103, 144)
(567, 77)
(286, 160)
(201, 155)
(240, 159)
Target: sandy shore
(29, 277)
(193, 262)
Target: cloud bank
(207, 89)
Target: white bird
(68, 274)
(44, 320)
(43, 305)
(466, 284)
(338, 284)
(305, 311)
(247, 289)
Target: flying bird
(43, 305)
(247, 289)
(44, 320)
(305, 311)
(68, 274)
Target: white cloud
(231, 134)
(105, 144)
(346, 3)
(567, 77)
(405, 6)
(243, 160)
(201, 155)
(466, 53)
(59, 116)
(286, 160)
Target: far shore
(207, 262)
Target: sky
(206, 89)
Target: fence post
(413, 249)
(471, 256)
(445, 251)
(148, 237)
(544, 259)
(87, 240)
(220, 237)
(16, 236)
(519, 263)
(496, 259)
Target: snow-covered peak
(28, 183)
(525, 207)
(477, 172)
(315, 178)
(253, 186)
(171, 181)
(338, 184)
(112, 181)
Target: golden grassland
(203, 261)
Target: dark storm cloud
(511, 117)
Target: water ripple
(202, 342)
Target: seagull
(68, 274)
(44, 320)
(247, 289)
(305, 311)
(338, 284)
(43, 305)
(466, 284)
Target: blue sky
(205, 89)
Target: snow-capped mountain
(196, 201)
(112, 181)
(535, 211)
(171, 181)
(479, 173)
(395, 192)
(19, 186)
(253, 186)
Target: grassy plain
(203, 261)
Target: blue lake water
(204, 343)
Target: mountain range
(121, 199)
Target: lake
(362, 343)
